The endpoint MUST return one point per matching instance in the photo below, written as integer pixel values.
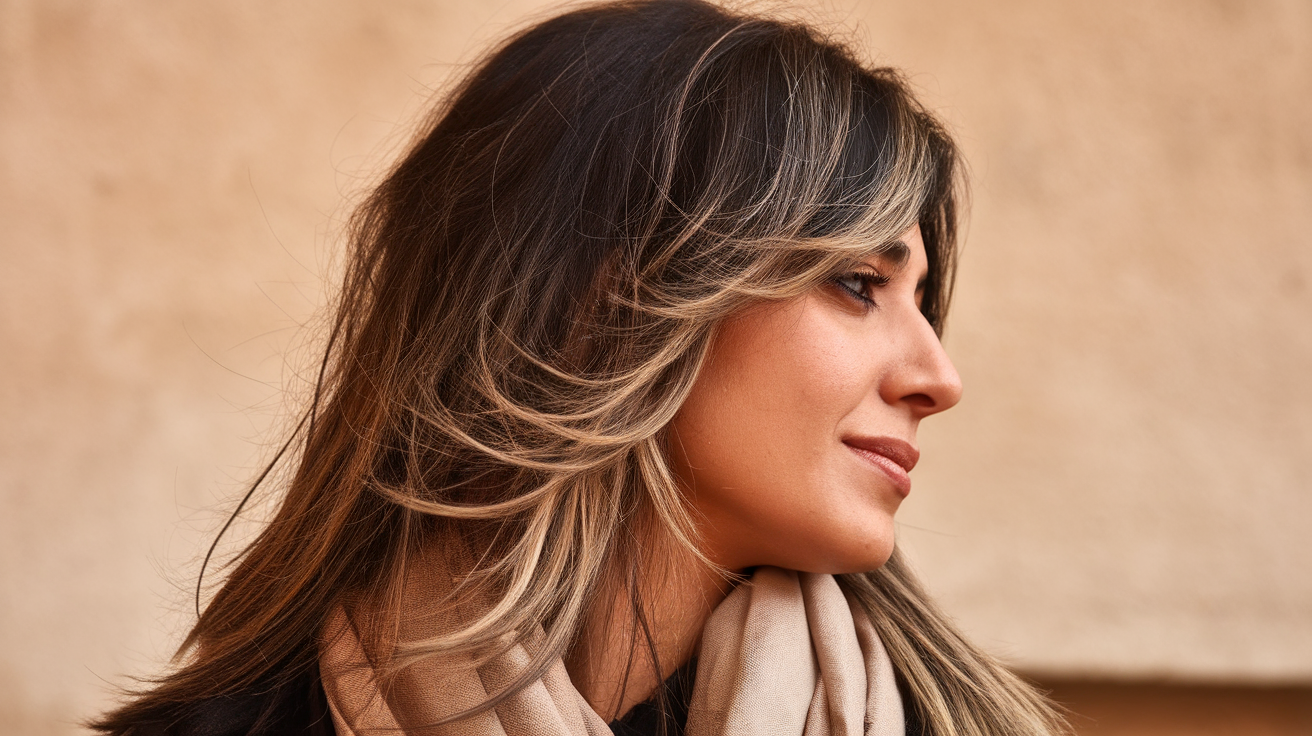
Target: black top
(648, 718)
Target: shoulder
(294, 706)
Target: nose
(924, 378)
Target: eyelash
(869, 280)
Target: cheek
(770, 393)
(758, 439)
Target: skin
(761, 440)
(764, 447)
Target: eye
(861, 285)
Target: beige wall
(1126, 489)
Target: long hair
(530, 295)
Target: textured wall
(1124, 490)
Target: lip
(894, 457)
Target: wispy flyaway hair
(530, 295)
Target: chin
(866, 560)
(856, 551)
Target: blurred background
(1121, 506)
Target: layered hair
(530, 294)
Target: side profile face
(795, 443)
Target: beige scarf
(784, 653)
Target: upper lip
(892, 448)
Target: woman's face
(795, 443)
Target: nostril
(924, 401)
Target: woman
(649, 309)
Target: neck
(611, 661)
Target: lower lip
(894, 472)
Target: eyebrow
(894, 254)
(897, 253)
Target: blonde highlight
(532, 293)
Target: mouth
(891, 456)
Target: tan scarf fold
(784, 653)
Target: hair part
(531, 293)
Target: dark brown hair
(530, 295)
